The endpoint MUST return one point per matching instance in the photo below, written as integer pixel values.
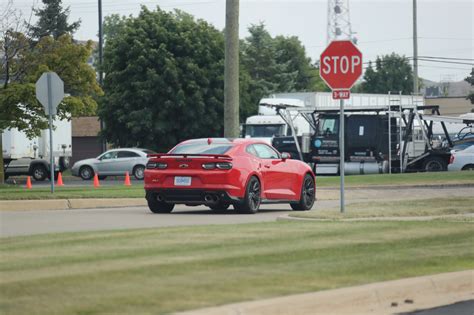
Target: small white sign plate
(182, 181)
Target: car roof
(230, 141)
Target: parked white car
(462, 160)
(113, 162)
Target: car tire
(434, 164)
(308, 194)
(252, 199)
(220, 206)
(158, 206)
(469, 167)
(86, 172)
(39, 172)
(139, 172)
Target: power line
(445, 38)
(446, 58)
(451, 62)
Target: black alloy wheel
(252, 199)
(308, 194)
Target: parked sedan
(223, 172)
(462, 160)
(113, 162)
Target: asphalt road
(15, 223)
(461, 308)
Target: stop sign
(340, 64)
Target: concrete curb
(67, 204)
(389, 297)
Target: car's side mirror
(285, 156)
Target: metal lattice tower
(339, 22)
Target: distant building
(85, 138)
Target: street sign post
(50, 92)
(340, 67)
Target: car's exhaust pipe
(211, 198)
(160, 198)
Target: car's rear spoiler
(165, 155)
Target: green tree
(470, 80)
(265, 74)
(53, 20)
(164, 80)
(18, 103)
(270, 65)
(391, 73)
(291, 53)
(113, 25)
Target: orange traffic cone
(60, 180)
(96, 181)
(28, 182)
(127, 180)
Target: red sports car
(220, 172)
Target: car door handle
(267, 166)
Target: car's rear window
(202, 148)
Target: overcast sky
(445, 28)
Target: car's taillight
(152, 165)
(219, 165)
(451, 159)
(224, 165)
(209, 166)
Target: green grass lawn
(158, 271)
(9, 192)
(118, 191)
(401, 208)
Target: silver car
(113, 162)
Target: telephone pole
(415, 52)
(231, 71)
(101, 73)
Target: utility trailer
(379, 139)
(25, 156)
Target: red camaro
(219, 172)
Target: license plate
(182, 181)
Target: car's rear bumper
(190, 196)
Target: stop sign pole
(50, 92)
(340, 67)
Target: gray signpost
(50, 92)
